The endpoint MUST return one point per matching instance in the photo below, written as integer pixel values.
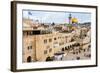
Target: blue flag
(29, 13)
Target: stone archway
(63, 49)
(29, 59)
(49, 59)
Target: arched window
(49, 59)
(66, 48)
(62, 49)
(29, 59)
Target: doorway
(29, 59)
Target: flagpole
(28, 17)
(29, 13)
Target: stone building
(43, 44)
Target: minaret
(70, 17)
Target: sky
(56, 16)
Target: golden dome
(74, 20)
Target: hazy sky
(57, 17)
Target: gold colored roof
(74, 20)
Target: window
(29, 47)
(45, 51)
(50, 50)
(25, 33)
(66, 41)
(66, 37)
(72, 40)
(48, 47)
(29, 32)
(29, 59)
(62, 49)
(59, 37)
(66, 48)
(50, 40)
(61, 43)
(54, 38)
(45, 41)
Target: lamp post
(70, 17)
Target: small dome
(74, 20)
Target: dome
(74, 20)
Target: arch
(66, 48)
(63, 49)
(49, 59)
(29, 59)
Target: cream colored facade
(44, 45)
